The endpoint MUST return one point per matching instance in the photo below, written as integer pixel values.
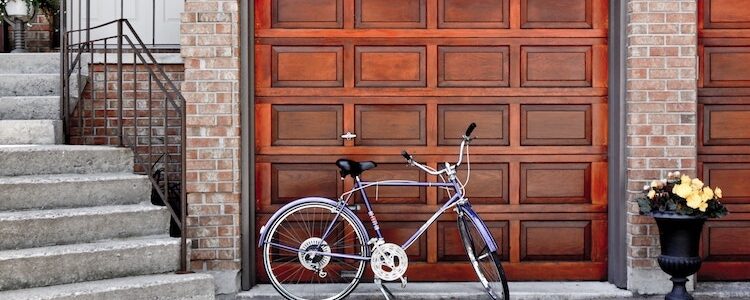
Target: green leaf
(644, 204)
(684, 210)
(671, 205)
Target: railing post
(119, 83)
(64, 68)
(183, 190)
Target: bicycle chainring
(389, 262)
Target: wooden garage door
(724, 133)
(412, 74)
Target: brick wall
(95, 121)
(210, 50)
(661, 118)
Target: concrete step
(28, 132)
(73, 190)
(59, 159)
(162, 287)
(29, 85)
(458, 290)
(30, 63)
(39, 228)
(30, 108)
(45, 266)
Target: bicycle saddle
(353, 168)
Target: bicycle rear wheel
(299, 275)
(486, 263)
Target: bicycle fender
(486, 234)
(278, 213)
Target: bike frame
(457, 200)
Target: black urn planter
(680, 237)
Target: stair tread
(71, 177)
(28, 97)
(98, 246)
(109, 285)
(32, 148)
(78, 212)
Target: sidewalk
(468, 290)
(518, 291)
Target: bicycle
(319, 240)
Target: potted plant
(680, 206)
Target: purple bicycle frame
(464, 207)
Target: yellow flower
(651, 194)
(707, 194)
(696, 184)
(703, 207)
(685, 179)
(682, 190)
(694, 200)
(654, 184)
(717, 191)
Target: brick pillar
(661, 119)
(210, 48)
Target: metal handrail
(154, 150)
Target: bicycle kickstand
(384, 289)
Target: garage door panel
(726, 14)
(726, 125)
(556, 66)
(380, 125)
(556, 14)
(572, 240)
(492, 124)
(716, 233)
(473, 13)
(290, 182)
(307, 125)
(480, 66)
(390, 13)
(307, 66)
(382, 66)
(726, 67)
(556, 125)
(307, 14)
(731, 178)
(550, 183)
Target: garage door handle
(348, 136)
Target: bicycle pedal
(403, 282)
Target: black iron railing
(114, 92)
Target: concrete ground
(518, 291)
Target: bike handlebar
(466, 138)
(406, 155)
(470, 129)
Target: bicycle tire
(488, 268)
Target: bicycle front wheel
(486, 263)
(298, 274)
